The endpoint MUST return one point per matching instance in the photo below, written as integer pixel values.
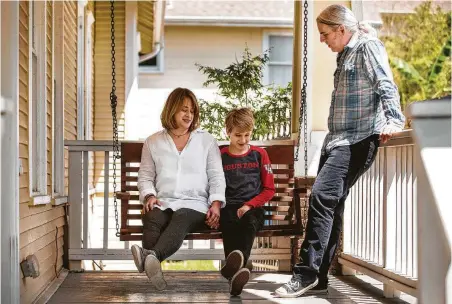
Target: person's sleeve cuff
(218, 197)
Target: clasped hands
(213, 215)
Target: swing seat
(283, 216)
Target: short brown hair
(241, 119)
(174, 103)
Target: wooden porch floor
(206, 287)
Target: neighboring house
(212, 33)
(376, 12)
(55, 86)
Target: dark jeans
(239, 234)
(165, 231)
(338, 172)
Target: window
(153, 65)
(279, 69)
(37, 96)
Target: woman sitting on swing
(181, 184)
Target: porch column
(10, 291)
(132, 49)
(296, 67)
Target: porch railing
(92, 221)
(380, 220)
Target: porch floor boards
(205, 287)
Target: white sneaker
(153, 269)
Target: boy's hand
(150, 203)
(213, 215)
(241, 211)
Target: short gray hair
(336, 15)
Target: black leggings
(239, 234)
(164, 231)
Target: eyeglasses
(325, 35)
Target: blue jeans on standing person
(339, 169)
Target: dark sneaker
(234, 262)
(238, 281)
(295, 288)
(320, 289)
(138, 257)
(153, 269)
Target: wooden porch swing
(284, 211)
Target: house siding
(40, 227)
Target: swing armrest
(123, 195)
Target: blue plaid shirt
(365, 98)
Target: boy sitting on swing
(249, 185)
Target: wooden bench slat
(139, 229)
(130, 188)
(277, 217)
(134, 206)
(290, 172)
(266, 208)
(131, 169)
(217, 235)
(284, 180)
(277, 208)
(284, 198)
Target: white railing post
(106, 196)
(389, 209)
(75, 205)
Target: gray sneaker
(296, 287)
(139, 256)
(153, 269)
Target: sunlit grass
(190, 265)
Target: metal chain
(305, 78)
(302, 121)
(113, 103)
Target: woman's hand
(150, 203)
(242, 210)
(213, 215)
(387, 132)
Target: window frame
(266, 46)
(58, 180)
(37, 165)
(159, 68)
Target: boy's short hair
(174, 104)
(241, 118)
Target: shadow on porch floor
(207, 287)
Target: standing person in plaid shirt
(249, 185)
(365, 110)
